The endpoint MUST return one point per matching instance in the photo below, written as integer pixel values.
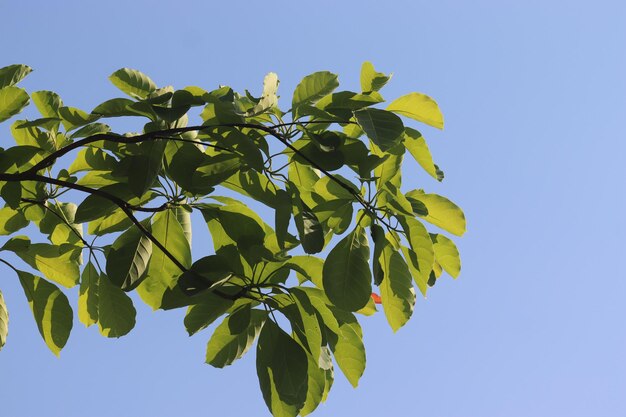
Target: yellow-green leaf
(441, 211)
(419, 107)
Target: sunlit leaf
(4, 321)
(446, 254)
(419, 107)
(13, 74)
(441, 211)
(133, 82)
(12, 101)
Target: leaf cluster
(117, 218)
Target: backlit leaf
(50, 308)
(419, 107)
(346, 274)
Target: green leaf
(90, 130)
(347, 346)
(416, 145)
(57, 263)
(12, 193)
(184, 219)
(48, 103)
(372, 80)
(384, 128)
(441, 211)
(128, 258)
(446, 254)
(421, 255)
(73, 117)
(116, 313)
(313, 87)
(346, 274)
(309, 228)
(229, 343)
(117, 107)
(13, 74)
(133, 82)
(162, 272)
(321, 378)
(88, 296)
(419, 107)
(4, 322)
(12, 101)
(145, 167)
(282, 367)
(11, 221)
(50, 308)
(201, 315)
(396, 289)
(305, 324)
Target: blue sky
(534, 96)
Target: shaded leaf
(226, 345)
(372, 80)
(50, 308)
(384, 128)
(282, 368)
(128, 258)
(13, 74)
(346, 273)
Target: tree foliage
(115, 215)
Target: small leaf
(13, 74)
(128, 258)
(50, 308)
(4, 321)
(88, 296)
(419, 107)
(372, 80)
(384, 128)
(282, 367)
(421, 254)
(226, 345)
(346, 274)
(12, 101)
(133, 82)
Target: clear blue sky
(534, 95)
